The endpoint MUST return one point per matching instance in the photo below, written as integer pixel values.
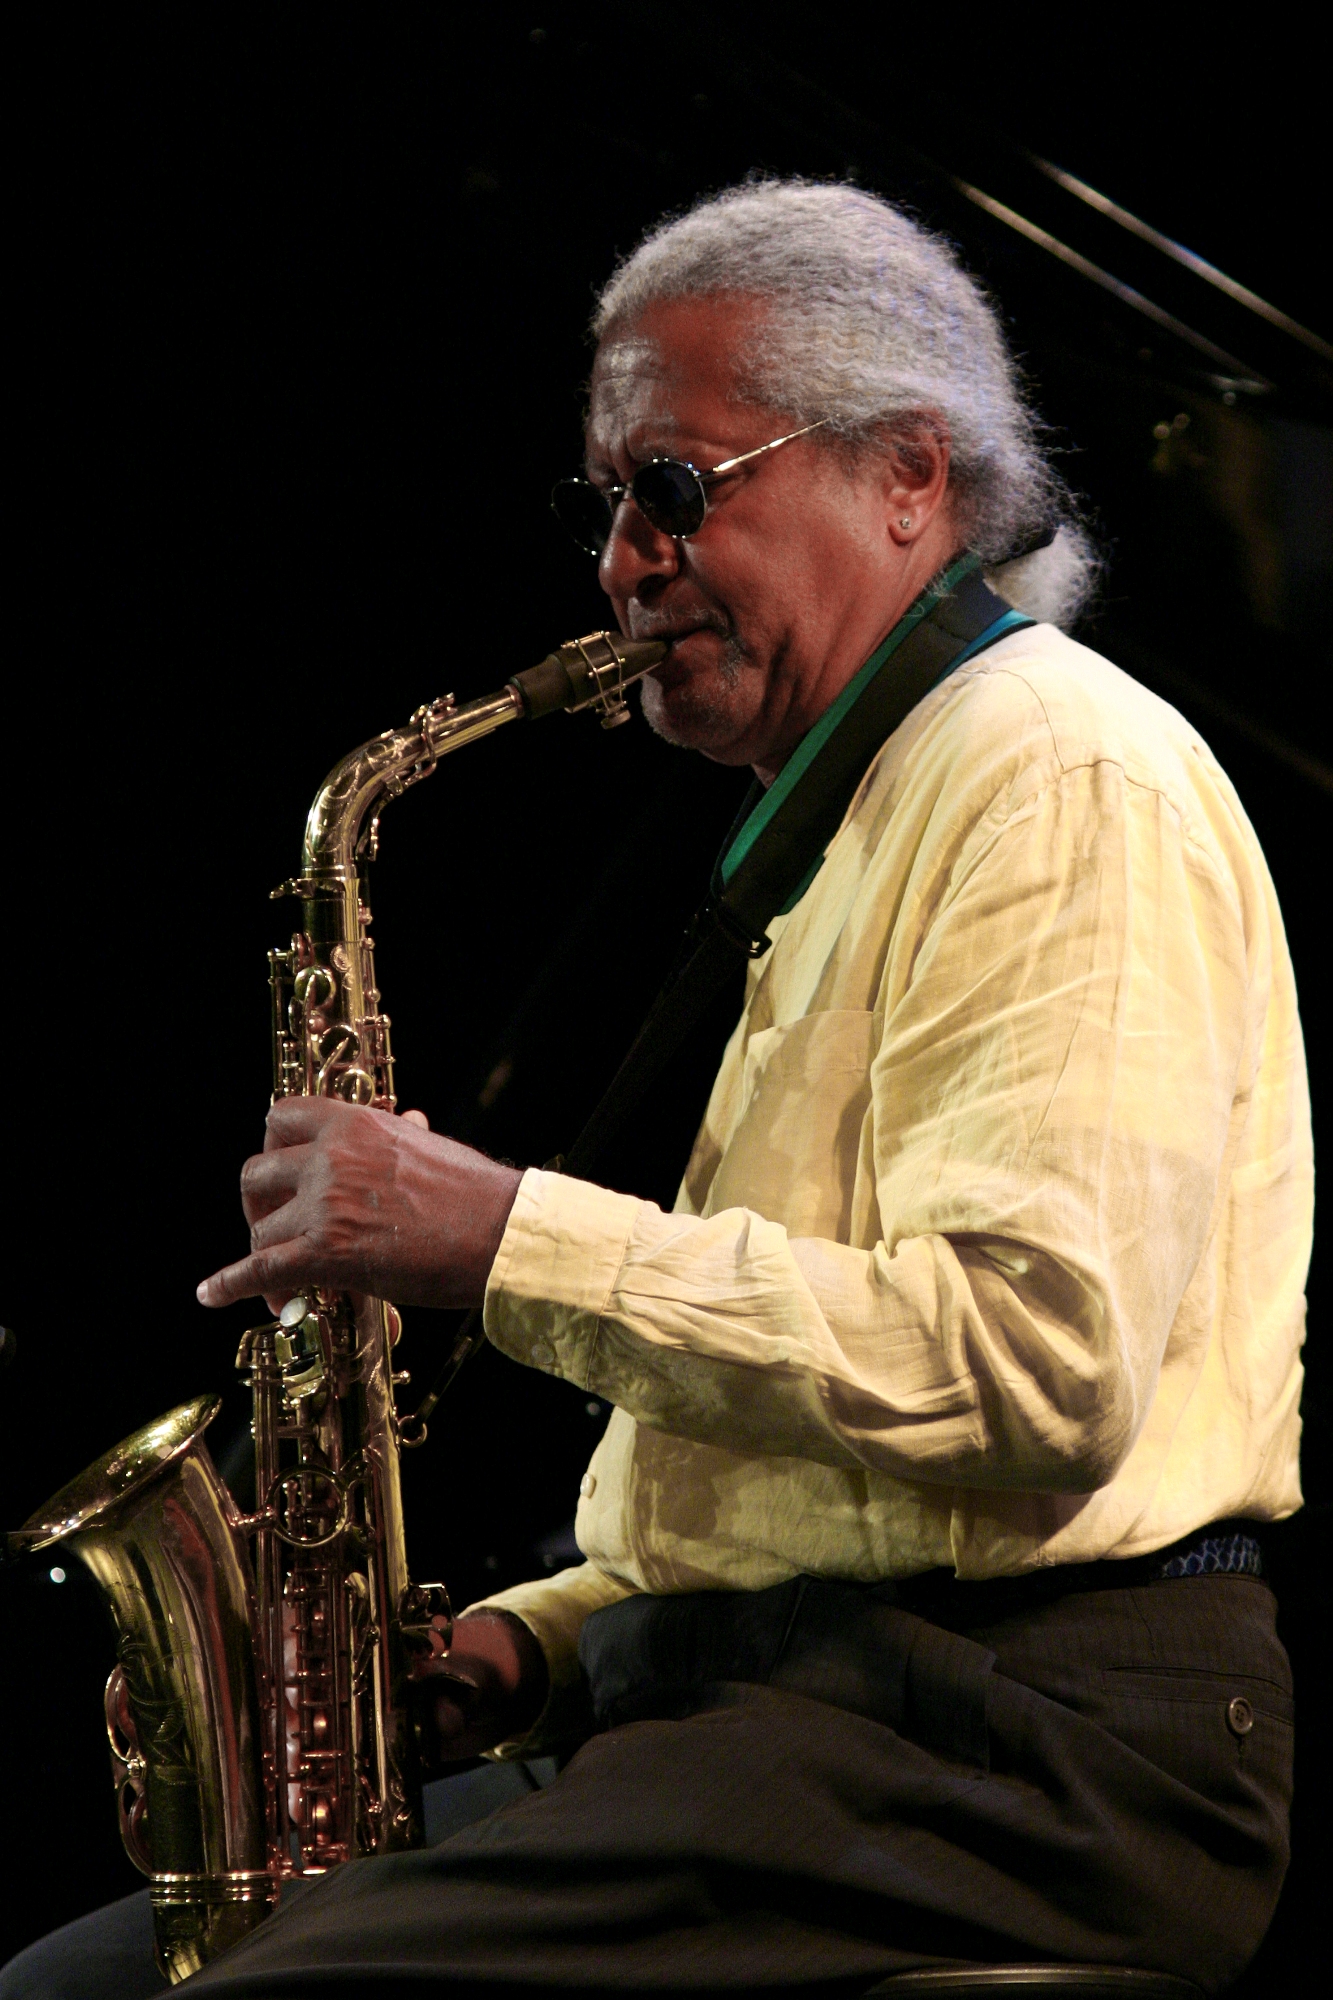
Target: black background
(305, 298)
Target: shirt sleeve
(1051, 1105)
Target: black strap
(731, 925)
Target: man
(921, 1617)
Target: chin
(711, 713)
(688, 717)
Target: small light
(593, 1409)
(57, 1576)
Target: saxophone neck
(342, 828)
(589, 673)
(330, 1037)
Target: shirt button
(542, 1353)
(588, 1485)
(1240, 1716)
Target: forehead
(675, 367)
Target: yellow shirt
(991, 1248)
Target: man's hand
(358, 1201)
(491, 1684)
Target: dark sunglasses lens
(583, 512)
(669, 497)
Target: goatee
(699, 713)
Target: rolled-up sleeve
(1055, 1077)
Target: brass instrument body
(159, 1531)
(256, 1714)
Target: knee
(107, 1955)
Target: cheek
(772, 596)
(743, 573)
(772, 553)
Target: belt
(1220, 1548)
(1231, 1554)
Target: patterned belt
(1215, 1555)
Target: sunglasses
(670, 493)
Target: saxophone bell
(158, 1529)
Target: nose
(635, 554)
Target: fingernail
(201, 1292)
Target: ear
(916, 475)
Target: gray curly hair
(874, 326)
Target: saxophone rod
(469, 1337)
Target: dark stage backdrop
(307, 305)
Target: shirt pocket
(792, 1156)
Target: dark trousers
(816, 1786)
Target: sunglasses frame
(615, 496)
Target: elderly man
(922, 1615)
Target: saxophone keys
(314, 986)
(300, 1349)
(357, 1086)
(425, 1620)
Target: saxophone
(257, 1712)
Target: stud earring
(904, 521)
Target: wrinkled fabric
(990, 1252)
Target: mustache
(667, 625)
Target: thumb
(415, 1118)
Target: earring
(904, 521)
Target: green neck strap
(818, 735)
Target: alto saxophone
(256, 1712)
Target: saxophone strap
(777, 844)
(771, 855)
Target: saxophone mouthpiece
(592, 672)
